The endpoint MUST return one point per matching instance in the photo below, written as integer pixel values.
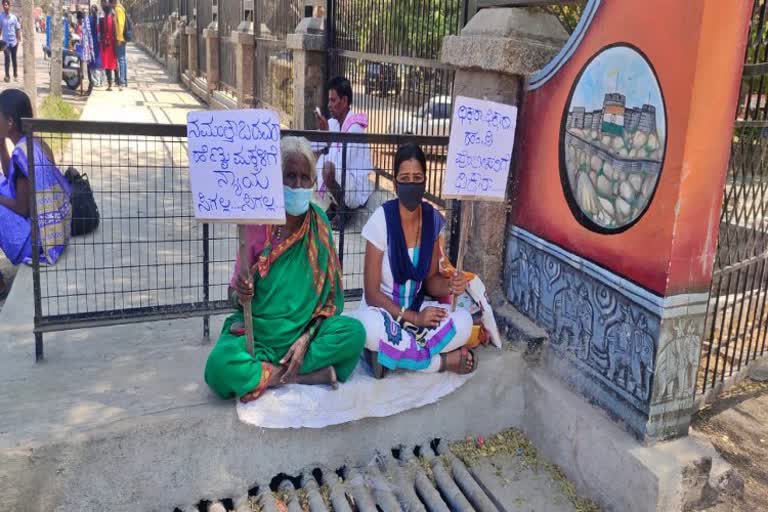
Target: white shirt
(375, 231)
(358, 186)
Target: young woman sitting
(403, 330)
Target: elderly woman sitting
(297, 299)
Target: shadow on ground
(737, 425)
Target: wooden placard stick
(245, 271)
(466, 220)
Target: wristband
(401, 315)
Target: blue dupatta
(54, 211)
(403, 269)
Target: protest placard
(479, 150)
(235, 173)
(479, 157)
(234, 166)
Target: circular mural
(613, 140)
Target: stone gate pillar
(494, 54)
(308, 45)
(211, 35)
(181, 29)
(245, 47)
(622, 152)
(192, 49)
(172, 55)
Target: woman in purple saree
(53, 192)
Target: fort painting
(613, 138)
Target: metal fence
(273, 67)
(229, 17)
(736, 328)
(203, 18)
(389, 50)
(149, 259)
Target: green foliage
(54, 107)
(399, 27)
(568, 14)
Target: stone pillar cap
(513, 41)
(212, 30)
(312, 25)
(244, 38)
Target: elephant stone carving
(527, 289)
(573, 315)
(631, 352)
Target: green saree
(295, 283)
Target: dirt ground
(737, 425)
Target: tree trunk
(57, 41)
(28, 49)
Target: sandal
(372, 358)
(464, 355)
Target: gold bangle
(400, 316)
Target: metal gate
(273, 65)
(392, 60)
(149, 259)
(204, 17)
(736, 325)
(230, 15)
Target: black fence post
(206, 281)
(35, 225)
(342, 206)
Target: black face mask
(411, 194)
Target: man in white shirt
(357, 185)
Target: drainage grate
(424, 478)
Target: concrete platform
(120, 419)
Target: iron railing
(149, 259)
(390, 50)
(736, 328)
(273, 65)
(229, 17)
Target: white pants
(379, 328)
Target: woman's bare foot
(461, 361)
(273, 381)
(325, 375)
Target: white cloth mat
(362, 396)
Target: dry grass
(514, 443)
(747, 327)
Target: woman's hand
(457, 284)
(294, 358)
(431, 317)
(244, 289)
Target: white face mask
(297, 200)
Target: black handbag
(85, 213)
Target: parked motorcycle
(71, 70)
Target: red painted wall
(696, 48)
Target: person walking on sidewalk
(120, 23)
(11, 36)
(108, 43)
(94, 69)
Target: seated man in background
(357, 186)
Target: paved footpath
(151, 97)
